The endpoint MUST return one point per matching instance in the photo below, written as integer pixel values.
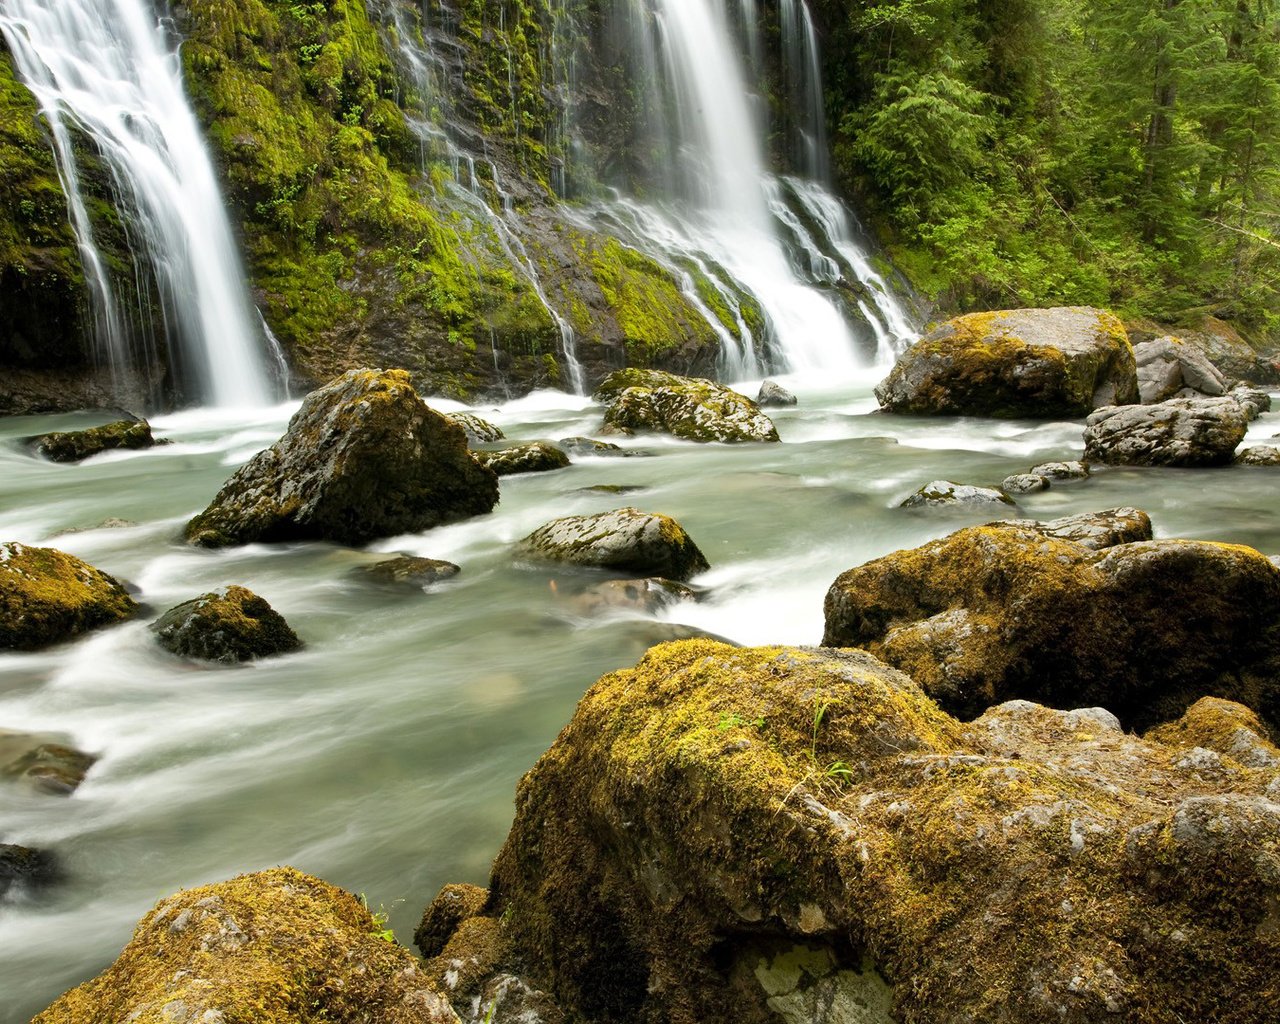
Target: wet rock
(48, 596)
(229, 625)
(479, 431)
(275, 947)
(1185, 432)
(686, 407)
(407, 571)
(76, 445)
(452, 905)
(21, 867)
(643, 597)
(536, 457)
(363, 458)
(1039, 363)
(1254, 401)
(946, 493)
(1060, 471)
(1166, 365)
(1024, 483)
(774, 396)
(612, 489)
(714, 825)
(625, 539)
(1094, 530)
(1259, 455)
(1011, 611)
(590, 446)
(45, 766)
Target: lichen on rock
(535, 457)
(1187, 432)
(623, 539)
(77, 445)
(689, 408)
(48, 596)
(228, 625)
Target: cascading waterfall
(102, 70)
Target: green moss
(47, 596)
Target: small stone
(625, 539)
(590, 446)
(1061, 470)
(774, 395)
(689, 408)
(1259, 455)
(647, 596)
(407, 571)
(21, 866)
(944, 492)
(1024, 483)
(525, 458)
(478, 430)
(228, 626)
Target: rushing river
(385, 756)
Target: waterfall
(104, 71)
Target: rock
(478, 431)
(1024, 483)
(774, 395)
(645, 597)
(228, 625)
(611, 489)
(26, 868)
(1180, 432)
(1037, 363)
(1061, 470)
(1094, 530)
(1259, 455)
(687, 407)
(1254, 401)
(406, 571)
(48, 596)
(590, 446)
(715, 825)
(76, 445)
(1230, 353)
(613, 430)
(524, 458)
(452, 905)
(48, 767)
(363, 458)
(1023, 611)
(1229, 729)
(625, 539)
(944, 492)
(276, 947)
(1166, 365)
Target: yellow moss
(47, 596)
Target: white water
(103, 69)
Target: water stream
(384, 757)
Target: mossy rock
(477, 429)
(1183, 432)
(363, 458)
(1073, 612)
(1031, 868)
(689, 408)
(276, 947)
(625, 539)
(1033, 363)
(228, 625)
(536, 457)
(48, 596)
(76, 445)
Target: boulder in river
(1254, 401)
(1259, 455)
(1186, 432)
(590, 446)
(1024, 483)
(1061, 470)
(363, 458)
(48, 596)
(22, 867)
(1035, 363)
(1166, 365)
(77, 445)
(228, 625)
(536, 457)
(276, 947)
(1067, 613)
(625, 539)
(478, 430)
(724, 835)
(407, 571)
(686, 407)
(774, 396)
(945, 493)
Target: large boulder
(687, 407)
(1166, 365)
(625, 539)
(363, 458)
(48, 596)
(1184, 432)
(778, 834)
(228, 625)
(1068, 613)
(76, 445)
(1035, 363)
(277, 947)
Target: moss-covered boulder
(1034, 363)
(600, 449)
(1185, 432)
(535, 457)
(689, 408)
(1068, 615)
(727, 835)
(228, 625)
(625, 539)
(76, 445)
(277, 947)
(946, 494)
(363, 458)
(48, 596)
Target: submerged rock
(946, 493)
(48, 767)
(478, 430)
(721, 835)
(277, 947)
(686, 407)
(25, 868)
(774, 396)
(48, 596)
(363, 458)
(1036, 363)
(407, 571)
(524, 458)
(644, 597)
(228, 625)
(1259, 455)
(76, 445)
(625, 539)
(1070, 613)
(590, 446)
(1185, 432)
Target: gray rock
(944, 492)
(1167, 365)
(690, 408)
(625, 539)
(1061, 470)
(363, 458)
(1230, 353)
(1254, 401)
(407, 571)
(1094, 530)
(76, 445)
(1024, 483)
(590, 446)
(1179, 432)
(536, 457)
(1259, 455)
(228, 625)
(644, 597)
(478, 430)
(44, 765)
(774, 395)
